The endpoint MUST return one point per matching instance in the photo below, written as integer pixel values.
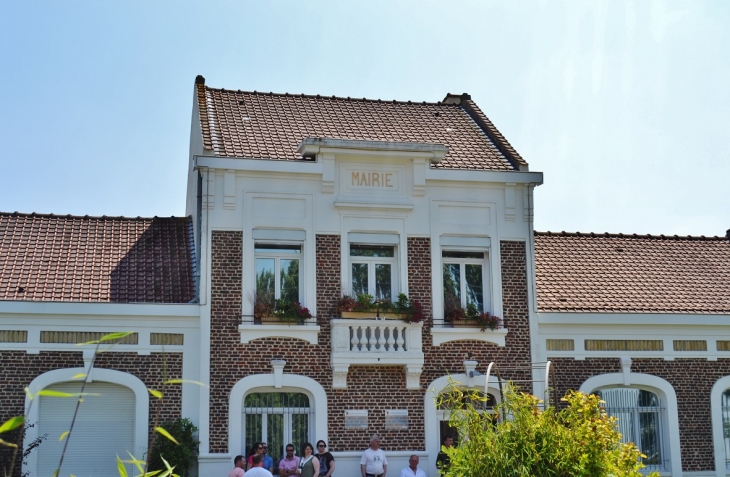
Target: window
(463, 399)
(726, 425)
(640, 420)
(464, 279)
(277, 272)
(372, 271)
(277, 419)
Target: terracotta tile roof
(271, 126)
(632, 273)
(96, 259)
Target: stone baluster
(355, 341)
(381, 339)
(401, 341)
(372, 341)
(391, 339)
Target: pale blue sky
(624, 106)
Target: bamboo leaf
(52, 393)
(150, 474)
(28, 394)
(63, 436)
(155, 393)
(120, 468)
(78, 376)
(12, 423)
(137, 463)
(189, 381)
(115, 336)
(166, 434)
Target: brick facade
(20, 368)
(369, 387)
(692, 380)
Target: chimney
(456, 98)
(199, 79)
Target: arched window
(277, 418)
(640, 420)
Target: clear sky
(623, 105)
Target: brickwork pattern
(692, 380)
(20, 368)
(369, 387)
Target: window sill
(250, 332)
(445, 335)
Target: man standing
(257, 470)
(238, 465)
(412, 470)
(373, 462)
(442, 459)
(288, 465)
(268, 460)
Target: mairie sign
(372, 179)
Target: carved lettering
(372, 179)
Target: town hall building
(341, 260)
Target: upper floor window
(372, 271)
(464, 279)
(277, 271)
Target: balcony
(445, 331)
(376, 342)
(252, 328)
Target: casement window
(278, 271)
(277, 419)
(641, 420)
(373, 270)
(465, 279)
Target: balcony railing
(274, 320)
(252, 328)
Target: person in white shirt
(412, 470)
(257, 470)
(373, 462)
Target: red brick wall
(20, 368)
(692, 380)
(369, 387)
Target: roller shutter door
(104, 429)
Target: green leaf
(52, 393)
(120, 468)
(166, 434)
(155, 393)
(12, 423)
(137, 463)
(78, 376)
(29, 394)
(8, 444)
(63, 436)
(150, 474)
(189, 381)
(115, 336)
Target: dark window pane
(383, 281)
(371, 251)
(474, 286)
(452, 254)
(452, 282)
(289, 270)
(359, 278)
(275, 248)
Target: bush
(182, 456)
(580, 440)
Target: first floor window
(640, 420)
(277, 272)
(277, 419)
(372, 268)
(463, 279)
(450, 401)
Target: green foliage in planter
(182, 456)
(580, 440)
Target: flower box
(368, 315)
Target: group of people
(373, 462)
(261, 464)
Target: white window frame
(484, 262)
(371, 262)
(278, 256)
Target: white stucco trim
(440, 336)
(308, 333)
(718, 438)
(141, 400)
(654, 384)
(431, 412)
(266, 383)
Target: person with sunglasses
(256, 449)
(326, 461)
(268, 460)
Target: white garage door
(104, 429)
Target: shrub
(181, 456)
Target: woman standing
(326, 461)
(256, 448)
(308, 465)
